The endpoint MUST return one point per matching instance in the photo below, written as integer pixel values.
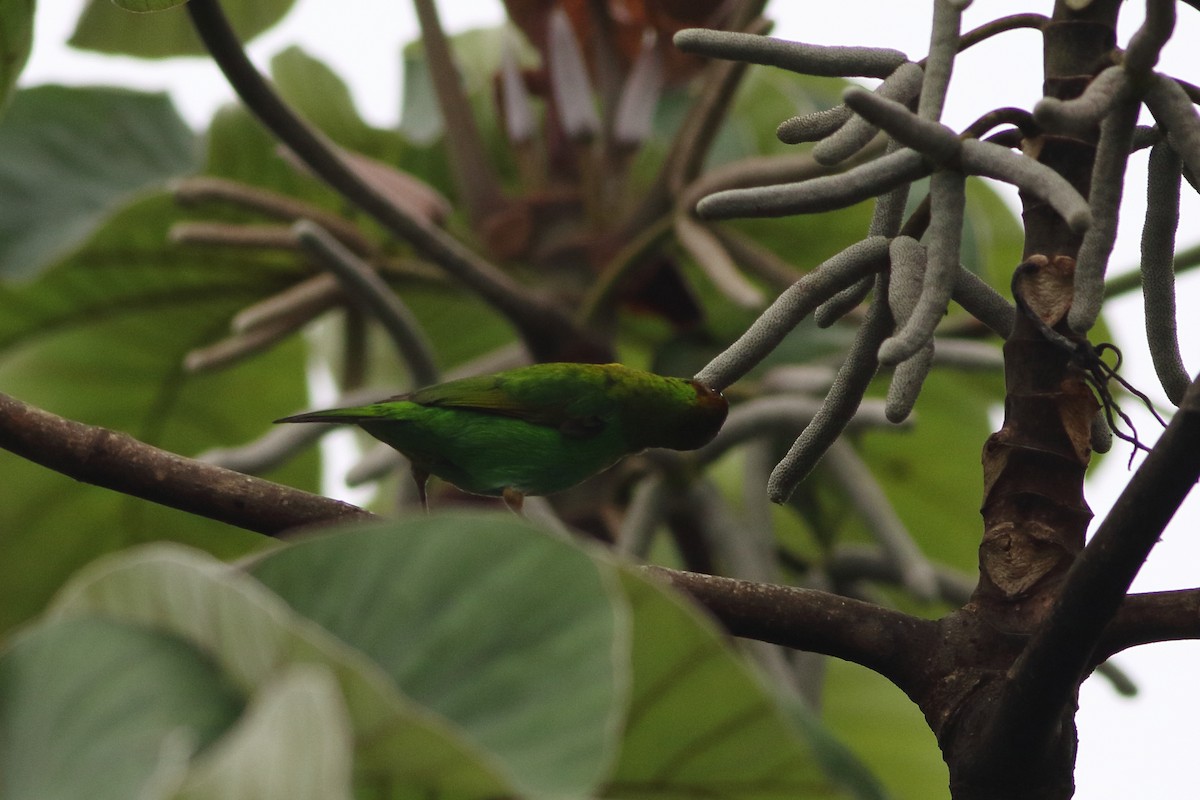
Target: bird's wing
(539, 399)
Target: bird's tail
(349, 415)
(333, 415)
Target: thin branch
(944, 44)
(900, 87)
(777, 416)
(545, 328)
(814, 126)
(232, 349)
(807, 59)
(207, 189)
(274, 448)
(947, 192)
(827, 193)
(840, 404)
(792, 306)
(309, 297)
(119, 462)
(886, 641)
(364, 284)
(1147, 43)
(1107, 187)
(1080, 115)
(869, 500)
(1158, 275)
(904, 292)
(1152, 617)
(474, 179)
(1045, 676)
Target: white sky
(1139, 748)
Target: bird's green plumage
(538, 429)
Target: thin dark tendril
(1096, 371)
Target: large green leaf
(294, 743)
(72, 157)
(401, 750)
(316, 92)
(700, 723)
(512, 634)
(16, 38)
(96, 708)
(107, 28)
(101, 338)
(886, 730)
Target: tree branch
(881, 639)
(118, 461)
(1152, 617)
(1046, 675)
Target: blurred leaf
(313, 90)
(477, 55)
(509, 632)
(993, 239)
(293, 743)
(101, 338)
(931, 472)
(257, 640)
(101, 709)
(71, 157)
(700, 723)
(16, 38)
(106, 28)
(886, 731)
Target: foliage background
(363, 49)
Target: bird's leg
(513, 499)
(421, 477)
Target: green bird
(536, 430)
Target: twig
(1147, 43)
(1151, 617)
(944, 44)
(1045, 676)
(947, 193)
(1174, 112)
(843, 399)
(993, 161)
(475, 180)
(201, 189)
(309, 297)
(778, 416)
(715, 262)
(1158, 274)
(807, 59)
(812, 127)
(646, 511)
(364, 284)
(119, 462)
(792, 306)
(900, 87)
(234, 348)
(226, 234)
(984, 303)
(1107, 186)
(869, 500)
(1080, 115)
(819, 194)
(277, 446)
(904, 292)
